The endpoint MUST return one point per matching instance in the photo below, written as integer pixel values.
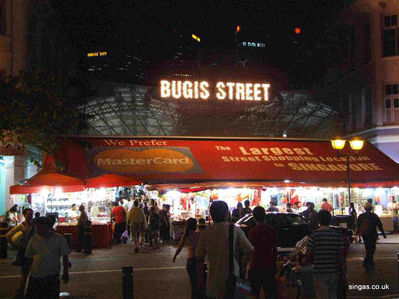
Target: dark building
(114, 65)
(362, 78)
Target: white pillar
(9, 179)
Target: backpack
(364, 227)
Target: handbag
(230, 286)
(125, 236)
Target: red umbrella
(110, 180)
(24, 189)
(28, 189)
(53, 179)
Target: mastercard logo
(150, 160)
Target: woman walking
(154, 224)
(190, 238)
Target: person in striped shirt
(326, 246)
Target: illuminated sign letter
(196, 88)
(249, 92)
(176, 89)
(204, 93)
(187, 90)
(230, 85)
(257, 92)
(266, 91)
(165, 89)
(240, 91)
(221, 93)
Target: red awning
(110, 180)
(24, 189)
(28, 189)
(220, 162)
(54, 179)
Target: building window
(368, 108)
(387, 103)
(391, 36)
(2, 17)
(392, 103)
(366, 44)
(390, 21)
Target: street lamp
(356, 145)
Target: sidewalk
(391, 239)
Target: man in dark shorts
(366, 226)
(262, 268)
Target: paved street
(155, 276)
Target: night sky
(147, 24)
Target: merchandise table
(101, 234)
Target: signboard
(97, 54)
(298, 162)
(253, 44)
(203, 90)
(193, 36)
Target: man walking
(262, 268)
(327, 248)
(25, 230)
(214, 243)
(119, 215)
(45, 249)
(135, 219)
(165, 224)
(367, 224)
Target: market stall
(236, 169)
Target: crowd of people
(40, 250)
(326, 250)
(211, 258)
(143, 222)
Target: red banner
(196, 160)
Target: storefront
(188, 173)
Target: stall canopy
(200, 162)
(49, 180)
(110, 180)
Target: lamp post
(356, 145)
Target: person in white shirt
(45, 250)
(214, 244)
(393, 206)
(73, 213)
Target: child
(154, 224)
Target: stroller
(295, 279)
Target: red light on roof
(297, 30)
